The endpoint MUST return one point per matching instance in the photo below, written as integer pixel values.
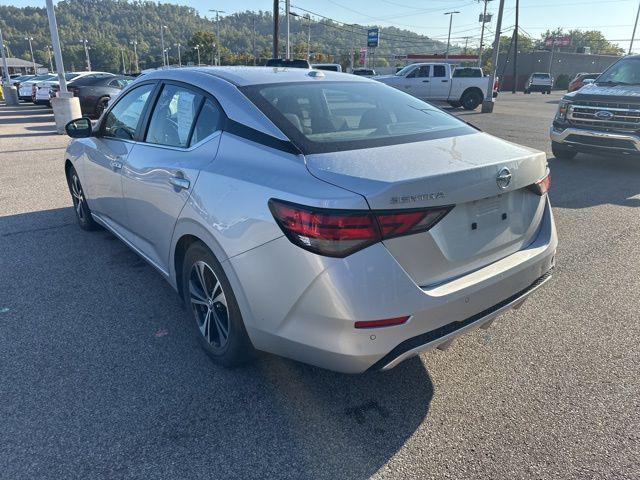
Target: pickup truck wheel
(471, 100)
(561, 152)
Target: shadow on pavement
(590, 180)
(101, 377)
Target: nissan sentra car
(323, 217)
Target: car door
(114, 140)
(182, 136)
(418, 82)
(440, 84)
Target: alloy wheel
(78, 197)
(209, 305)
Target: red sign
(557, 41)
(363, 56)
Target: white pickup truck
(436, 82)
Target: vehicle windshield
(332, 116)
(41, 77)
(624, 72)
(402, 72)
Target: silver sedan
(316, 215)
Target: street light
(451, 14)
(135, 53)
(162, 27)
(84, 42)
(197, 49)
(166, 52)
(33, 60)
(179, 57)
(308, 17)
(50, 57)
(218, 12)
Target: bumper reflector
(387, 322)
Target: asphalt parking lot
(101, 379)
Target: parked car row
(94, 89)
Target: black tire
(471, 100)
(455, 104)
(527, 92)
(80, 206)
(562, 152)
(234, 350)
(100, 106)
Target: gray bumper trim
(561, 135)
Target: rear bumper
(538, 88)
(304, 307)
(596, 140)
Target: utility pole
(166, 52)
(162, 27)
(33, 60)
(10, 92)
(276, 29)
(179, 56)
(484, 15)
(287, 11)
(50, 57)
(308, 37)
(466, 43)
(553, 47)
(218, 12)
(352, 51)
(124, 67)
(635, 25)
(135, 53)
(451, 14)
(487, 104)
(84, 42)
(515, 50)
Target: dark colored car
(95, 91)
(280, 62)
(578, 81)
(364, 72)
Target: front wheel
(562, 152)
(455, 104)
(217, 320)
(471, 100)
(80, 206)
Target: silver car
(324, 217)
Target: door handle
(116, 164)
(445, 80)
(425, 81)
(180, 183)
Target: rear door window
(439, 71)
(173, 116)
(209, 121)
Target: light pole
(635, 25)
(308, 17)
(33, 60)
(218, 12)
(487, 104)
(287, 11)
(166, 53)
(50, 57)
(451, 14)
(197, 49)
(84, 42)
(179, 57)
(135, 53)
(484, 16)
(162, 27)
(124, 67)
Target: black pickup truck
(603, 116)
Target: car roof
(243, 76)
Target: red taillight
(387, 322)
(541, 187)
(338, 233)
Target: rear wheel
(217, 319)
(562, 152)
(101, 106)
(82, 210)
(471, 100)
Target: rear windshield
(91, 79)
(467, 72)
(332, 116)
(541, 75)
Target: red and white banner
(363, 56)
(557, 41)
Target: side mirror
(588, 81)
(79, 128)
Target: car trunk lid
(487, 223)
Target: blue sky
(613, 17)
